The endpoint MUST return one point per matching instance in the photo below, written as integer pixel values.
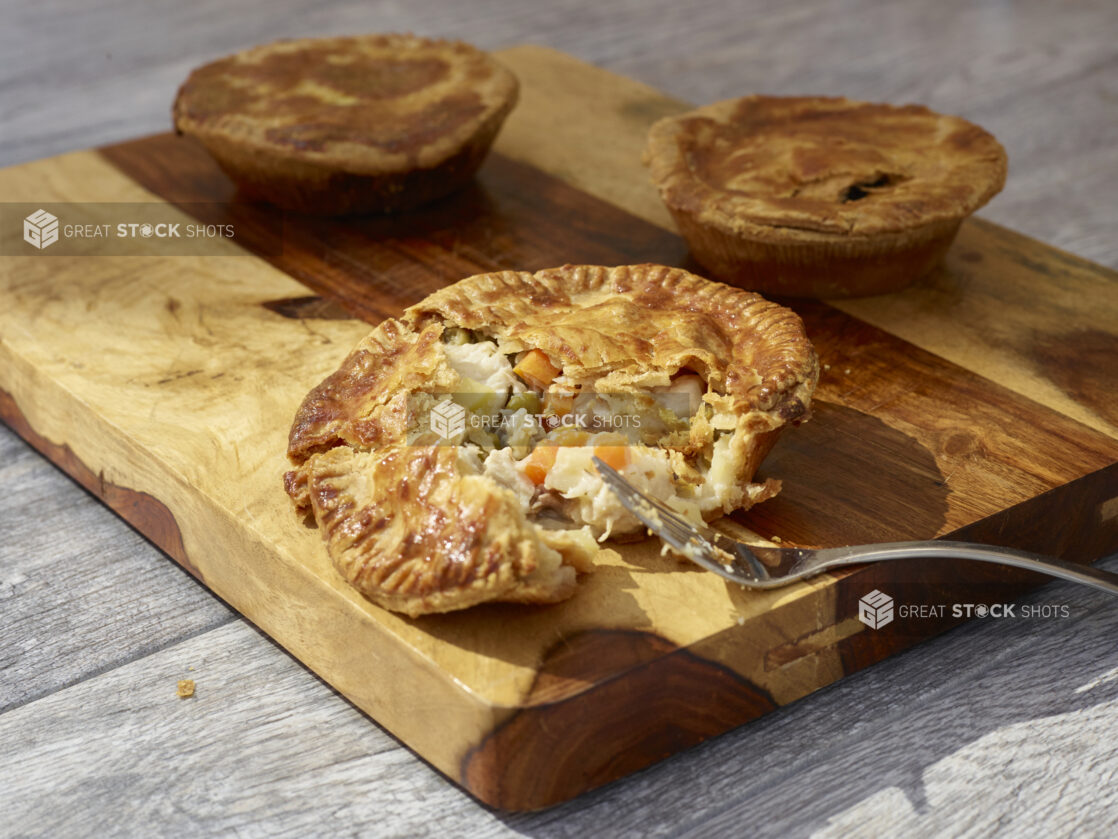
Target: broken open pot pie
(448, 460)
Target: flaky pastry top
(803, 167)
(373, 104)
(621, 328)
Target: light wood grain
(1038, 75)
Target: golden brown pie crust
(408, 530)
(331, 126)
(821, 196)
(414, 532)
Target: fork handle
(1085, 574)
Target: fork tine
(621, 486)
(741, 563)
(635, 497)
(666, 523)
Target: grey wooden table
(1006, 726)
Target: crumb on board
(776, 539)
(847, 371)
(826, 366)
(741, 620)
(186, 688)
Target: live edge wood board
(982, 404)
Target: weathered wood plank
(264, 748)
(1010, 69)
(89, 75)
(79, 595)
(215, 763)
(194, 447)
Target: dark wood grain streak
(1083, 363)
(308, 307)
(144, 512)
(513, 217)
(942, 446)
(577, 732)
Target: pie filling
(449, 460)
(534, 430)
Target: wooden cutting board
(981, 404)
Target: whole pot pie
(333, 126)
(447, 462)
(821, 197)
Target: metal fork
(758, 566)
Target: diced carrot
(536, 369)
(614, 456)
(537, 464)
(559, 402)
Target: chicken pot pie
(821, 197)
(447, 461)
(332, 126)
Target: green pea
(528, 400)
